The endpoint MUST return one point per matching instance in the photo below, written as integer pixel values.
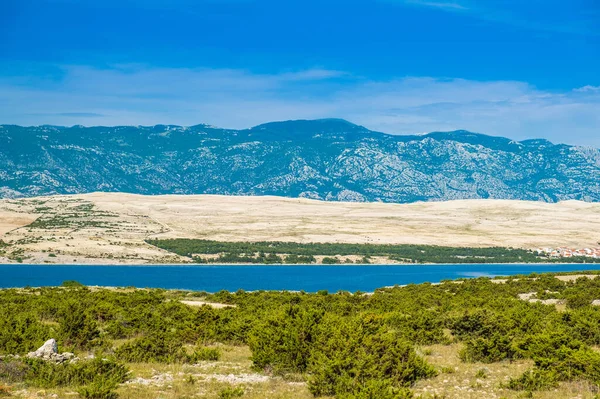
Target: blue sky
(520, 69)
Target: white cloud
(437, 4)
(528, 15)
(134, 94)
(588, 89)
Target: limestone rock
(49, 352)
(49, 348)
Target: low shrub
(157, 348)
(70, 283)
(545, 344)
(488, 350)
(205, 354)
(482, 373)
(78, 327)
(21, 333)
(564, 364)
(360, 356)
(49, 375)
(231, 393)
(533, 380)
(98, 390)
(282, 342)
(479, 323)
(570, 364)
(93, 379)
(12, 370)
(423, 328)
(373, 389)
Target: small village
(564, 252)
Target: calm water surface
(252, 277)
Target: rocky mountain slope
(322, 159)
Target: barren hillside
(112, 227)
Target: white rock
(49, 348)
(49, 352)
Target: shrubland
(343, 345)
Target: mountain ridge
(264, 126)
(329, 159)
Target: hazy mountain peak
(312, 126)
(309, 123)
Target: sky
(514, 68)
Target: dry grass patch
(461, 380)
(211, 304)
(202, 380)
(208, 379)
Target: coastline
(192, 264)
(497, 279)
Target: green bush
(353, 356)
(98, 390)
(96, 371)
(579, 300)
(78, 328)
(299, 259)
(231, 393)
(488, 350)
(570, 364)
(157, 348)
(482, 373)
(545, 344)
(423, 328)
(374, 389)
(282, 342)
(20, 332)
(70, 283)
(481, 322)
(205, 354)
(562, 364)
(585, 324)
(533, 380)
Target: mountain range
(328, 159)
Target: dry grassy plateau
(111, 228)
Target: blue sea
(252, 277)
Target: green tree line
(268, 252)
